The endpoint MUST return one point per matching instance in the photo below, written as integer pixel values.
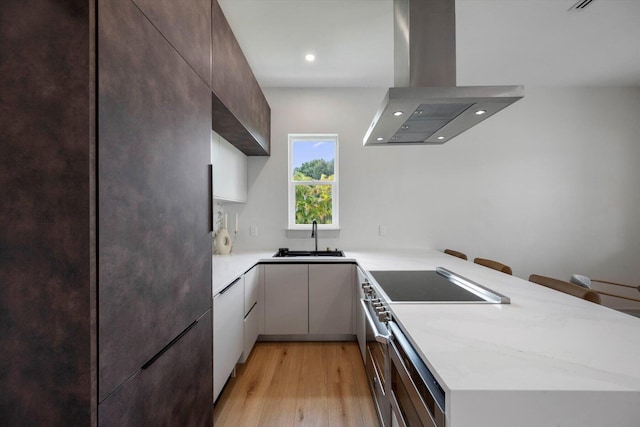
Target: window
(313, 181)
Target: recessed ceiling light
(418, 112)
(379, 138)
(441, 137)
(480, 112)
(398, 113)
(310, 57)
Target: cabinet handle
(166, 347)
(229, 286)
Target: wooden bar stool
(494, 264)
(566, 287)
(455, 253)
(585, 282)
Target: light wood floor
(298, 384)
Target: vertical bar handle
(210, 192)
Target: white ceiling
(499, 42)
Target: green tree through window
(313, 183)
(314, 169)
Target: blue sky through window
(304, 151)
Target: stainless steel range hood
(426, 106)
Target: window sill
(327, 233)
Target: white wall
(550, 185)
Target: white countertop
(545, 346)
(544, 338)
(226, 268)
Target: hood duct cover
(426, 106)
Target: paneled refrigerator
(154, 244)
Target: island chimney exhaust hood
(425, 106)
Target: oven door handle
(381, 338)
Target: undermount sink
(285, 252)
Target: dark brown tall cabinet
(154, 246)
(105, 247)
(47, 213)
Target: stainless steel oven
(416, 397)
(405, 391)
(376, 362)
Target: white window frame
(292, 184)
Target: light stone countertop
(226, 268)
(545, 359)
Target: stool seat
(455, 253)
(566, 287)
(494, 265)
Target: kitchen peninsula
(545, 359)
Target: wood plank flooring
(298, 384)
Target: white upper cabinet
(229, 170)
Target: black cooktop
(422, 286)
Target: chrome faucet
(314, 232)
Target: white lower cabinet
(331, 298)
(228, 332)
(251, 310)
(286, 299)
(251, 332)
(302, 299)
(361, 325)
(251, 285)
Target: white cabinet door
(236, 172)
(251, 281)
(219, 186)
(251, 311)
(228, 333)
(286, 299)
(331, 298)
(361, 326)
(250, 333)
(229, 170)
